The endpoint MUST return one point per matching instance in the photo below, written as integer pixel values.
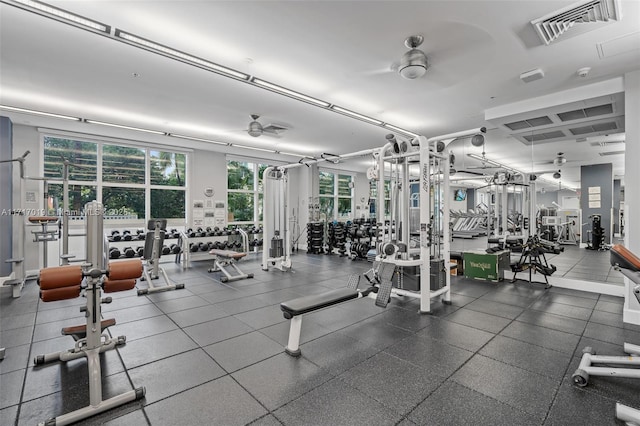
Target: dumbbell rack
(136, 242)
(189, 256)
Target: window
(244, 191)
(132, 182)
(335, 195)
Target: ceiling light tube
(293, 154)
(197, 139)
(484, 160)
(60, 15)
(102, 123)
(356, 115)
(253, 148)
(46, 114)
(291, 93)
(176, 54)
(398, 129)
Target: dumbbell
(115, 236)
(140, 251)
(175, 249)
(253, 243)
(203, 246)
(210, 245)
(166, 250)
(237, 244)
(174, 233)
(260, 242)
(191, 233)
(126, 235)
(141, 234)
(114, 253)
(193, 248)
(210, 232)
(217, 232)
(235, 231)
(225, 232)
(129, 252)
(216, 245)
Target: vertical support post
(446, 230)
(65, 212)
(533, 226)
(380, 189)
(95, 256)
(266, 215)
(425, 210)
(503, 206)
(404, 202)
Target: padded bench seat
(229, 254)
(302, 305)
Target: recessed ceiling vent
(599, 127)
(606, 143)
(531, 122)
(576, 19)
(586, 112)
(544, 136)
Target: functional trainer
(153, 245)
(68, 282)
(228, 258)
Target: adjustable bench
(224, 259)
(67, 282)
(296, 308)
(629, 264)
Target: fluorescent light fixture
(485, 160)
(294, 154)
(181, 56)
(197, 139)
(46, 114)
(102, 123)
(60, 15)
(356, 115)
(253, 148)
(398, 129)
(290, 93)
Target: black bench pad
(313, 302)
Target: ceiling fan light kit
(413, 63)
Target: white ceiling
(337, 51)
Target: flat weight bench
(629, 264)
(67, 282)
(296, 308)
(228, 258)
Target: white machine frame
(276, 218)
(152, 270)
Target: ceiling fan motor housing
(413, 64)
(255, 129)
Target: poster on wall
(219, 214)
(594, 204)
(198, 212)
(594, 190)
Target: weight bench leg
(629, 415)
(293, 347)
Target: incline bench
(225, 258)
(296, 308)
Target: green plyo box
(486, 266)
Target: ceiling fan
(558, 161)
(256, 129)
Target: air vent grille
(600, 127)
(586, 112)
(606, 143)
(602, 154)
(544, 136)
(531, 122)
(550, 27)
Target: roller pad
(62, 293)
(112, 286)
(125, 270)
(305, 304)
(60, 276)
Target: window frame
(336, 193)
(99, 184)
(257, 190)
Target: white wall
(208, 170)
